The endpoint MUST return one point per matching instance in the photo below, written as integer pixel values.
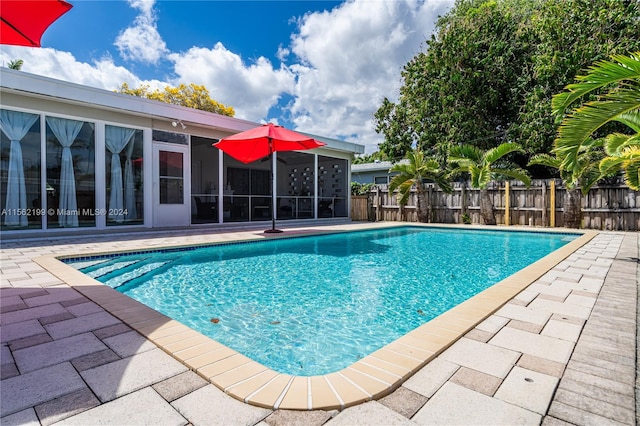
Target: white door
(171, 185)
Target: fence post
(463, 200)
(378, 204)
(544, 204)
(506, 203)
(552, 202)
(429, 204)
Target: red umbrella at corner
(263, 141)
(22, 22)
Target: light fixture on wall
(175, 124)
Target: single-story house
(76, 157)
(376, 172)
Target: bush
(358, 188)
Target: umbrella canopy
(23, 22)
(259, 142)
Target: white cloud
(350, 58)
(283, 53)
(337, 68)
(103, 73)
(142, 41)
(251, 89)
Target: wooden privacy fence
(611, 206)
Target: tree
(463, 88)
(577, 181)
(570, 36)
(16, 64)
(485, 166)
(191, 96)
(620, 103)
(488, 73)
(358, 188)
(414, 173)
(391, 120)
(370, 158)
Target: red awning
(24, 21)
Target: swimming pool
(313, 305)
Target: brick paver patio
(561, 352)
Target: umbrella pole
(273, 229)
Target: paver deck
(562, 350)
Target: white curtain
(15, 126)
(116, 138)
(129, 185)
(66, 132)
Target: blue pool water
(316, 304)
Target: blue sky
(316, 66)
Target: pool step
(84, 264)
(114, 266)
(126, 277)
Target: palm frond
(443, 182)
(601, 74)
(482, 177)
(577, 127)
(615, 143)
(431, 165)
(591, 176)
(545, 160)
(494, 154)
(630, 161)
(400, 168)
(459, 153)
(515, 173)
(405, 192)
(631, 119)
(632, 179)
(457, 171)
(611, 165)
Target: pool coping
(371, 377)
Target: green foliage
(413, 173)
(191, 96)
(488, 74)
(485, 166)
(15, 64)
(370, 158)
(620, 103)
(585, 175)
(358, 188)
(391, 120)
(571, 35)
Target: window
(70, 151)
(170, 137)
(20, 178)
(124, 174)
(171, 178)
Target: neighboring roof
(373, 167)
(13, 81)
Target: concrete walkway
(562, 351)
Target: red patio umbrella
(263, 141)
(22, 22)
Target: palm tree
(413, 173)
(620, 103)
(15, 64)
(485, 167)
(583, 177)
(624, 152)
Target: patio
(563, 350)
